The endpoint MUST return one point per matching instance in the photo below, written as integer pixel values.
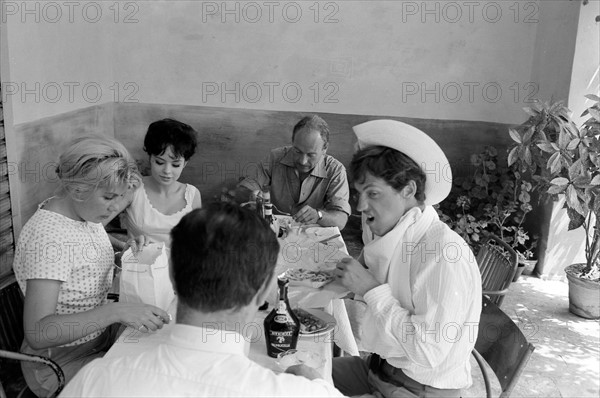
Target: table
(132, 342)
(303, 250)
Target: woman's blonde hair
(92, 162)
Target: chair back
(11, 314)
(502, 345)
(11, 338)
(498, 264)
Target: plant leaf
(546, 147)
(527, 156)
(528, 134)
(557, 189)
(560, 181)
(513, 156)
(595, 113)
(592, 97)
(554, 163)
(575, 219)
(514, 134)
(573, 144)
(573, 200)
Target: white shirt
(424, 317)
(193, 361)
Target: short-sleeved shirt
(326, 187)
(77, 253)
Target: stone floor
(566, 360)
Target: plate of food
(308, 277)
(309, 322)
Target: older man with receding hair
(304, 180)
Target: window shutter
(7, 245)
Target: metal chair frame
(502, 345)
(11, 330)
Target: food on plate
(307, 277)
(309, 323)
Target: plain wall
(435, 60)
(562, 247)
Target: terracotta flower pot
(520, 269)
(584, 294)
(529, 266)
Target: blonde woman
(64, 263)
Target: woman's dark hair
(221, 255)
(170, 133)
(393, 166)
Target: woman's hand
(143, 317)
(355, 276)
(136, 244)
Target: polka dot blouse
(77, 253)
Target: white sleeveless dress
(141, 218)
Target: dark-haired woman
(162, 200)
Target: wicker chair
(498, 264)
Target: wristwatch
(320, 214)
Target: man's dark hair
(170, 133)
(221, 255)
(392, 166)
(313, 122)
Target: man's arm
(337, 206)
(255, 179)
(330, 218)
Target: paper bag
(145, 277)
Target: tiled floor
(566, 361)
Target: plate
(310, 323)
(318, 231)
(308, 277)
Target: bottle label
(281, 318)
(281, 341)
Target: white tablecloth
(304, 251)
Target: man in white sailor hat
(418, 278)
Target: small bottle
(260, 209)
(268, 206)
(282, 326)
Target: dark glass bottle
(268, 206)
(282, 326)
(260, 209)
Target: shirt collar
(209, 338)
(318, 171)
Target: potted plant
(492, 198)
(563, 160)
(525, 247)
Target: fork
(283, 213)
